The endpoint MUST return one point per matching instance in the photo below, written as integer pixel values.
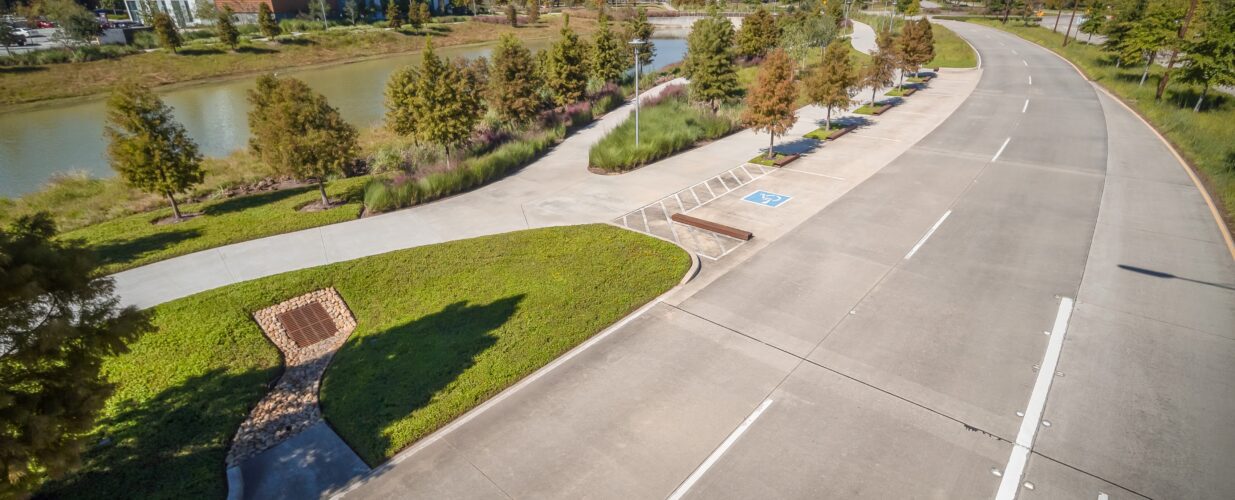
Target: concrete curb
(1183, 163)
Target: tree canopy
(1209, 57)
(295, 131)
(770, 103)
(58, 322)
(165, 30)
(565, 68)
(709, 61)
(914, 46)
(831, 85)
(758, 35)
(226, 30)
(439, 104)
(639, 27)
(608, 59)
(147, 147)
(878, 72)
(514, 83)
(266, 22)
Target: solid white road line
(997, 153)
(1015, 52)
(1012, 474)
(720, 450)
(1025, 63)
(927, 235)
(1031, 80)
(1026, 107)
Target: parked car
(24, 33)
(41, 24)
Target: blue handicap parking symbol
(767, 199)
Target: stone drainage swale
(308, 330)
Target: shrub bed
(668, 124)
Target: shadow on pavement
(1160, 274)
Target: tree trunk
(1068, 33)
(771, 143)
(827, 119)
(1170, 63)
(873, 90)
(321, 188)
(1145, 74)
(1058, 16)
(1197, 108)
(1007, 8)
(175, 208)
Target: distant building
(184, 12)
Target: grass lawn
(1205, 139)
(37, 83)
(762, 159)
(441, 328)
(895, 92)
(951, 51)
(665, 128)
(132, 240)
(866, 109)
(823, 133)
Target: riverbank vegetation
(57, 73)
(480, 315)
(1203, 134)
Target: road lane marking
(927, 235)
(997, 153)
(1026, 107)
(1015, 52)
(1037, 404)
(720, 450)
(1031, 80)
(1025, 63)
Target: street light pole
(637, 43)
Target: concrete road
(1033, 301)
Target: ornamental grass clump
(668, 123)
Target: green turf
(951, 51)
(823, 134)
(440, 329)
(664, 129)
(866, 109)
(1205, 139)
(132, 240)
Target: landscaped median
(668, 123)
(440, 329)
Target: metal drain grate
(308, 324)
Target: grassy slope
(22, 85)
(131, 241)
(440, 329)
(951, 51)
(1205, 139)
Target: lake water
(35, 144)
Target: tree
(832, 84)
(226, 30)
(1170, 61)
(413, 15)
(394, 15)
(514, 86)
(566, 68)
(709, 61)
(1149, 35)
(758, 35)
(295, 131)
(165, 29)
(205, 10)
(878, 72)
(914, 47)
(512, 15)
(440, 104)
(266, 22)
(8, 37)
(805, 30)
(1209, 57)
(77, 25)
(639, 27)
(533, 11)
(59, 320)
(425, 16)
(351, 11)
(147, 147)
(319, 9)
(769, 106)
(608, 60)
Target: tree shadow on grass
(296, 41)
(251, 49)
(381, 378)
(14, 70)
(170, 446)
(125, 250)
(241, 203)
(199, 51)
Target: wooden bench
(712, 226)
